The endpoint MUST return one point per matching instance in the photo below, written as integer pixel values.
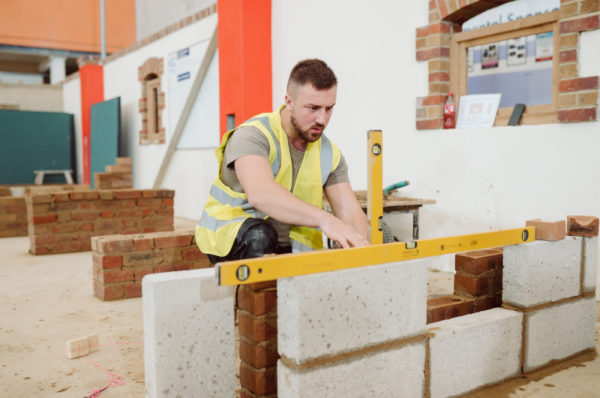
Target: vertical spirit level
(375, 186)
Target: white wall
(191, 171)
(71, 97)
(482, 179)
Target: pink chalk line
(114, 379)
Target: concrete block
(188, 335)
(474, 350)
(541, 272)
(333, 312)
(395, 373)
(590, 263)
(558, 332)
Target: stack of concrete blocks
(552, 284)
(188, 335)
(120, 262)
(353, 333)
(117, 176)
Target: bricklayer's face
(311, 110)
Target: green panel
(104, 135)
(35, 141)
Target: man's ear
(289, 102)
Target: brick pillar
(257, 322)
(479, 277)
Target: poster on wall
(202, 128)
(544, 46)
(517, 51)
(477, 110)
(489, 56)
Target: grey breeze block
(329, 313)
(559, 331)
(398, 372)
(590, 263)
(474, 350)
(188, 335)
(541, 272)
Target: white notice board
(202, 128)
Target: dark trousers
(255, 238)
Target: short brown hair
(312, 71)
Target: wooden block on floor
(78, 347)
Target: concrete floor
(46, 300)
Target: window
(151, 103)
(518, 59)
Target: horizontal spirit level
(285, 265)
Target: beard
(307, 134)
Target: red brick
(582, 226)
(259, 355)
(588, 6)
(431, 124)
(86, 226)
(580, 25)
(148, 212)
(577, 115)
(257, 303)
(580, 83)
(259, 382)
(150, 202)
(127, 194)
(192, 254)
(472, 285)
(169, 212)
(143, 244)
(138, 274)
(167, 202)
(443, 8)
(262, 285)
(41, 198)
(128, 213)
(112, 276)
(46, 219)
(148, 194)
(107, 214)
(434, 100)
(257, 329)
(164, 242)
(424, 55)
(439, 77)
(485, 303)
(133, 290)
(125, 203)
(113, 292)
(61, 197)
(479, 261)
(84, 195)
(107, 262)
(44, 239)
(85, 215)
(164, 268)
(143, 258)
(183, 267)
(568, 56)
(108, 246)
(446, 307)
(165, 193)
(548, 230)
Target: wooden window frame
(459, 42)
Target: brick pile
(115, 176)
(121, 261)
(479, 277)
(257, 322)
(63, 222)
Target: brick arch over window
(578, 96)
(152, 102)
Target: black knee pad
(260, 239)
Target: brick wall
(578, 96)
(115, 176)
(257, 322)
(121, 261)
(66, 221)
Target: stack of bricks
(63, 222)
(13, 214)
(121, 261)
(447, 307)
(115, 177)
(479, 277)
(578, 96)
(257, 321)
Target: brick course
(72, 218)
(119, 262)
(479, 278)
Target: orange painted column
(245, 72)
(91, 77)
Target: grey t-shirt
(251, 141)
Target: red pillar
(245, 72)
(92, 91)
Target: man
(274, 169)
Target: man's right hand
(344, 234)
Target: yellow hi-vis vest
(226, 210)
